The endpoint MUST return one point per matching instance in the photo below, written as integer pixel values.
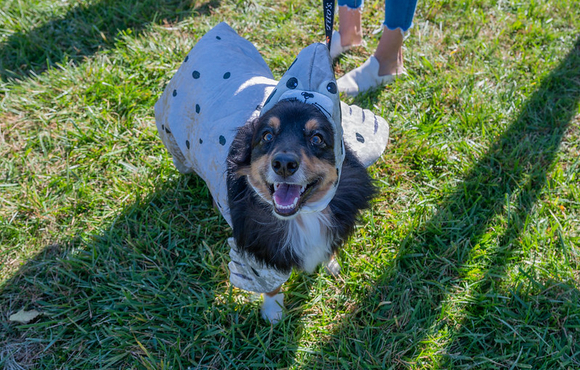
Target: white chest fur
(309, 238)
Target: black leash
(328, 7)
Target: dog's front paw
(272, 308)
(333, 268)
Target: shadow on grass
(403, 320)
(150, 291)
(86, 29)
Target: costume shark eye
(331, 87)
(292, 83)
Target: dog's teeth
(302, 188)
(289, 206)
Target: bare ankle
(390, 64)
(389, 52)
(350, 26)
(350, 41)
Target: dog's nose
(285, 164)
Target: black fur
(258, 232)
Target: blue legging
(398, 13)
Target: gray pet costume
(224, 83)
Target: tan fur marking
(257, 168)
(274, 123)
(312, 125)
(243, 171)
(325, 171)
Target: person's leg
(387, 62)
(349, 27)
(399, 14)
(389, 53)
(398, 19)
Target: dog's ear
(239, 157)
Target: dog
(284, 160)
(277, 166)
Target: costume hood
(310, 79)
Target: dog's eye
(316, 139)
(267, 137)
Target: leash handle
(328, 8)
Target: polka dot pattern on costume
(227, 75)
(187, 143)
(200, 141)
(197, 108)
(222, 140)
(174, 92)
(360, 138)
(196, 74)
(186, 59)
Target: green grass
(469, 258)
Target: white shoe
(364, 78)
(336, 47)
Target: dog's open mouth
(288, 198)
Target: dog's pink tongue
(286, 194)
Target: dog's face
(292, 158)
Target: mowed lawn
(468, 259)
